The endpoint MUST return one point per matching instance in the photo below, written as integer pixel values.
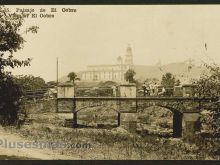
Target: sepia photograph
(109, 82)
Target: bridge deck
(144, 98)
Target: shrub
(10, 95)
(209, 86)
(11, 40)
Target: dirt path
(29, 153)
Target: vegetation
(47, 126)
(168, 80)
(30, 82)
(72, 76)
(129, 76)
(10, 94)
(11, 41)
(125, 145)
(209, 86)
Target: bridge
(186, 110)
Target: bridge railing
(94, 92)
(140, 92)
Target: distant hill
(181, 70)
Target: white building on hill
(113, 72)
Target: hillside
(180, 70)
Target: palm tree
(72, 76)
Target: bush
(10, 95)
(209, 86)
(11, 40)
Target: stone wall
(190, 124)
(40, 105)
(65, 105)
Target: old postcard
(109, 82)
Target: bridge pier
(191, 124)
(177, 124)
(119, 119)
(129, 121)
(185, 113)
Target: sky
(99, 34)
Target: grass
(115, 143)
(118, 144)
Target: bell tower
(129, 56)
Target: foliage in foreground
(11, 41)
(209, 86)
(10, 94)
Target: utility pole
(57, 71)
(121, 70)
(57, 87)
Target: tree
(10, 94)
(168, 80)
(72, 76)
(29, 82)
(208, 85)
(129, 76)
(11, 40)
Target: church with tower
(113, 72)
